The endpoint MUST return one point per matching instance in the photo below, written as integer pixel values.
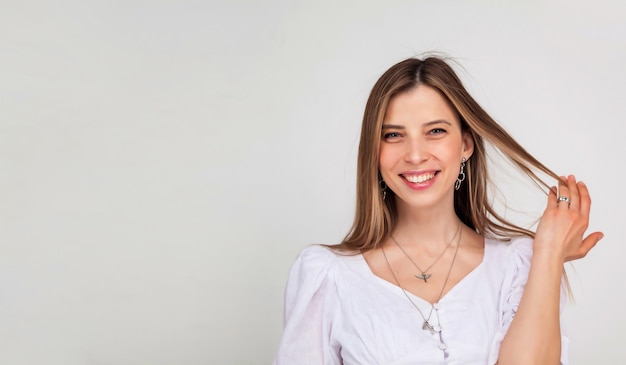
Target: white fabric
(338, 312)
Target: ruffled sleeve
(512, 289)
(310, 298)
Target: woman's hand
(564, 222)
(534, 336)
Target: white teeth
(416, 179)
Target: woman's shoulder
(508, 254)
(519, 245)
(316, 254)
(313, 261)
(319, 262)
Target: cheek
(387, 162)
(450, 151)
(385, 159)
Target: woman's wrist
(550, 257)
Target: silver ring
(563, 198)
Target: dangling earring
(383, 188)
(461, 178)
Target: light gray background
(162, 162)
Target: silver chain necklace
(426, 325)
(424, 273)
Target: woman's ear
(468, 145)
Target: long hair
(376, 216)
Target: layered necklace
(426, 325)
(424, 273)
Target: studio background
(163, 162)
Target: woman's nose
(415, 151)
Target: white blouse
(338, 312)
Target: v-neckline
(399, 291)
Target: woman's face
(421, 149)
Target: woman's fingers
(574, 196)
(585, 200)
(588, 243)
(564, 198)
(566, 219)
(552, 202)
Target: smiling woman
(421, 147)
(429, 272)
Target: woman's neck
(428, 229)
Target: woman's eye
(437, 131)
(391, 135)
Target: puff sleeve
(513, 285)
(310, 301)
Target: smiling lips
(419, 178)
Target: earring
(461, 178)
(383, 188)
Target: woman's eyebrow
(438, 121)
(392, 126)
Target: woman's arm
(534, 336)
(309, 305)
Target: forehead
(421, 104)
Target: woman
(429, 272)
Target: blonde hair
(375, 217)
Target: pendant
(424, 277)
(427, 327)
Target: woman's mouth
(419, 178)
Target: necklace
(424, 273)
(426, 325)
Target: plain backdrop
(163, 162)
